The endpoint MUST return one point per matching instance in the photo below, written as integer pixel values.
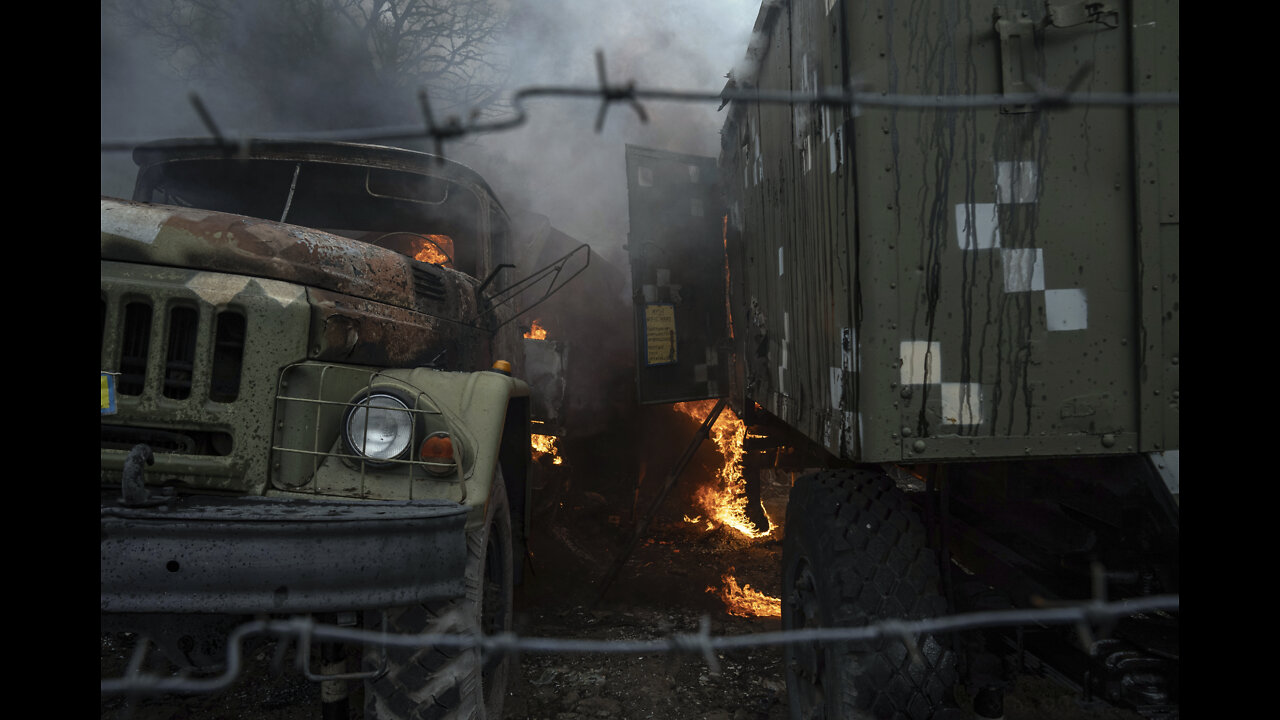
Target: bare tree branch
(356, 55)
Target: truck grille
(182, 330)
(180, 360)
(228, 356)
(135, 339)
(195, 355)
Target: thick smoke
(746, 69)
(555, 165)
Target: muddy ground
(669, 586)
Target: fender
(474, 408)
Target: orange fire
(744, 601)
(434, 249)
(537, 332)
(725, 501)
(545, 445)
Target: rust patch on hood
(208, 240)
(350, 330)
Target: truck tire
(854, 554)
(437, 683)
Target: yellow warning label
(660, 334)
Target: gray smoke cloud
(555, 164)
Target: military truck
(311, 405)
(960, 319)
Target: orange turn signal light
(438, 447)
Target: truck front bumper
(271, 555)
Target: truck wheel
(434, 683)
(855, 554)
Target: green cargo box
(913, 284)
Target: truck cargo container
(961, 320)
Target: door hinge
(1020, 70)
(1079, 13)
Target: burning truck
(958, 324)
(312, 404)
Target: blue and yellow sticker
(108, 393)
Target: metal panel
(1010, 242)
(1155, 157)
(676, 247)
(794, 184)
(977, 299)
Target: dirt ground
(669, 586)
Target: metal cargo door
(676, 247)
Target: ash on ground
(670, 585)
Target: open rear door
(677, 252)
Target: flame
(726, 501)
(434, 249)
(537, 332)
(545, 445)
(744, 601)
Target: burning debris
(545, 445)
(536, 331)
(744, 601)
(725, 501)
(722, 502)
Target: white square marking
(1016, 182)
(1066, 309)
(921, 362)
(961, 404)
(977, 227)
(1023, 269)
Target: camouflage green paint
(307, 296)
(472, 407)
(276, 315)
(958, 284)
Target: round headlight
(379, 427)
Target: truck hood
(203, 239)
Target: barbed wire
(852, 97)
(1086, 616)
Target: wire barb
(614, 94)
(452, 126)
(206, 118)
(897, 629)
(697, 643)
